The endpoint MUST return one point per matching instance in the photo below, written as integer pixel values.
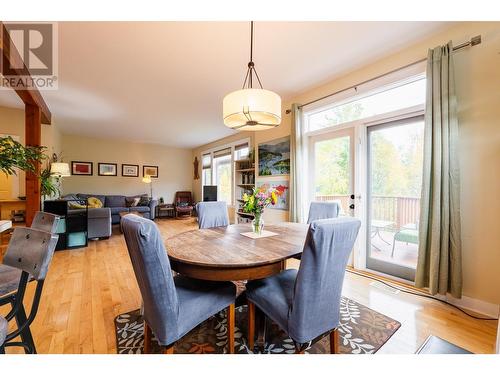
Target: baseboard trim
(491, 310)
(486, 309)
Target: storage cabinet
(73, 224)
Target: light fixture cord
(251, 67)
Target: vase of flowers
(255, 204)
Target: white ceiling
(164, 82)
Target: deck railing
(400, 210)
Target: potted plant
(255, 204)
(13, 155)
(49, 185)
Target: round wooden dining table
(224, 254)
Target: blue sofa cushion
(117, 210)
(116, 201)
(140, 209)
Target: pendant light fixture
(252, 108)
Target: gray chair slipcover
(3, 330)
(9, 276)
(323, 210)
(172, 306)
(212, 214)
(31, 250)
(9, 279)
(45, 221)
(306, 303)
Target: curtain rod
(473, 42)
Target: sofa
(100, 219)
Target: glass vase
(258, 224)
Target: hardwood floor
(86, 288)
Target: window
(218, 166)
(386, 99)
(241, 151)
(206, 165)
(222, 170)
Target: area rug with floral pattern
(362, 331)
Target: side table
(165, 210)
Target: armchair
(183, 203)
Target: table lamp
(59, 170)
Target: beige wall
(12, 123)
(175, 167)
(478, 80)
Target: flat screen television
(210, 193)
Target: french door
(394, 154)
(331, 177)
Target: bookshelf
(244, 177)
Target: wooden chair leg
(334, 342)
(148, 336)
(230, 328)
(300, 348)
(251, 325)
(169, 349)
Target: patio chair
(408, 233)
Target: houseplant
(13, 155)
(255, 204)
(49, 185)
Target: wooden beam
(33, 136)
(31, 96)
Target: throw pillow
(76, 205)
(94, 202)
(144, 201)
(132, 201)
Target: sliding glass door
(332, 172)
(394, 178)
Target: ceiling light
(252, 108)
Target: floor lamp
(147, 180)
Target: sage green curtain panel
(297, 177)
(439, 264)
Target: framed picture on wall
(274, 157)
(82, 168)
(130, 170)
(282, 187)
(150, 170)
(107, 169)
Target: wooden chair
(306, 303)
(173, 306)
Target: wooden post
(33, 137)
